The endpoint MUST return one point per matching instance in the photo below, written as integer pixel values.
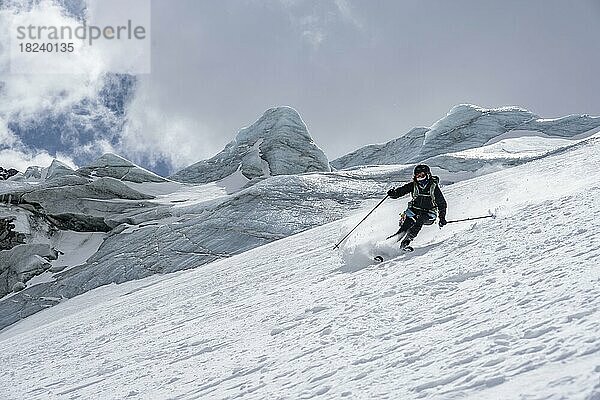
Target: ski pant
(413, 221)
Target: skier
(427, 203)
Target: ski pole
(471, 219)
(370, 212)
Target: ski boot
(405, 245)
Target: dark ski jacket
(428, 198)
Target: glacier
(149, 224)
(505, 308)
(230, 266)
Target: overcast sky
(364, 71)
(358, 72)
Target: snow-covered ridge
(278, 143)
(465, 126)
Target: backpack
(417, 193)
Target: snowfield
(504, 308)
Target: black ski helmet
(422, 168)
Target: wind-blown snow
(499, 309)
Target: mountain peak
(277, 143)
(111, 160)
(57, 169)
(274, 121)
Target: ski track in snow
(498, 309)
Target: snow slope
(506, 308)
(184, 226)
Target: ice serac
(33, 172)
(466, 126)
(114, 166)
(57, 169)
(278, 143)
(23, 262)
(90, 200)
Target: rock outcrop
(9, 238)
(7, 173)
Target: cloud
(20, 160)
(52, 114)
(314, 38)
(14, 154)
(25, 94)
(347, 12)
(316, 20)
(7, 138)
(90, 110)
(153, 136)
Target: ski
(407, 249)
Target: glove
(392, 194)
(442, 221)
